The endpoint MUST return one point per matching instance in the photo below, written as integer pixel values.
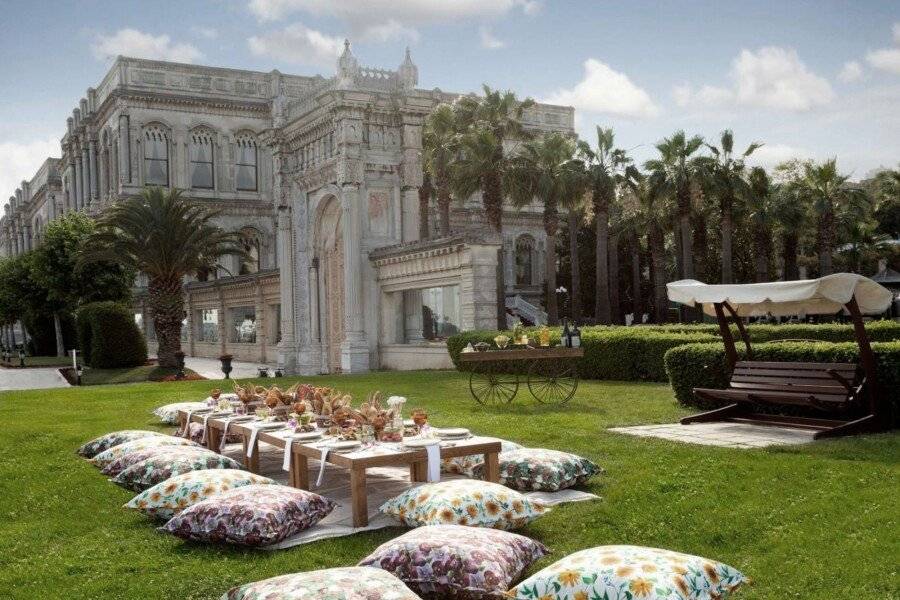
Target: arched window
(250, 241)
(245, 164)
(524, 260)
(156, 157)
(201, 157)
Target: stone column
(262, 337)
(355, 349)
(78, 197)
(104, 163)
(124, 150)
(28, 240)
(223, 322)
(410, 211)
(191, 324)
(92, 157)
(86, 177)
(314, 329)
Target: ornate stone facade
(321, 174)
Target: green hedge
(636, 353)
(108, 336)
(703, 365)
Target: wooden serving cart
(551, 376)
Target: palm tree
(167, 237)
(761, 216)
(726, 179)
(606, 165)
(487, 122)
(886, 191)
(827, 192)
(441, 144)
(575, 205)
(790, 215)
(545, 169)
(425, 192)
(864, 243)
(646, 210)
(671, 175)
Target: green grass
(811, 522)
(128, 375)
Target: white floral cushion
(133, 458)
(631, 573)
(464, 465)
(167, 499)
(163, 465)
(539, 469)
(106, 457)
(105, 442)
(168, 413)
(252, 515)
(452, 561)
(347, 583)
(464, 502)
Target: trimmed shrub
(109, 337)
(703, 365)
(636, 353)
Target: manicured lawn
(129, 375)
(817, 521)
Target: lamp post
(22, 357)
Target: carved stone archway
(329, 241)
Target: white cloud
(298, 44)
(137, 44)
(896, 30)
(772, 155)
(369, 17)
(209, 33)
(604, 90)
(851, 71)
(20, 162)
(390, 30)
(489, 40)
(886, 59)
(771, 77)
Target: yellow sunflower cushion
(464, 502)
(168, 498)
(631, 573)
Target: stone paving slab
(31, 379)
(724, 434)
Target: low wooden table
(416, 460)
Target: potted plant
(226, 364)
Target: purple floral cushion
(105, 442)
(132, 458)
(252, 515)
(105, 458)
(442, 561)
(347, 583)
(159, 467)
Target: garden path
(729, 435)
(31, 379)
(211, 368)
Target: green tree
(726, 177)
(758, 195)
(645, 209)
(166, 236)
(55, 267)
(886, 192)
(545, 169)
(606, 167)
(441, 144)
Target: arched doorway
(330, 249)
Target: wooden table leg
(213, 438)
(492, 467)
(418, 471)
(251, 463)
(358, 495)
(299, 471)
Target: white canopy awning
(826, 295)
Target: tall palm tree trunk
(761, 251)
(443, 199)
(601, 298)
(825, 242)
(614, 306)
(492, 191)
(424, 206)
(575, 292)
(656, 242)
(551, 225)
(727, 245)
(789, 245)
(636, 307)
(684, 219)
(167, 309)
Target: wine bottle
(566, 335)
(576, 337)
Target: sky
(809, 79)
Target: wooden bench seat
(826, 387)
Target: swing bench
(844, 397)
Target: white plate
(420, 442)
(346, 445)
(453, 432)
(308, 436)
(271, 425)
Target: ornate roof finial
(408, 72)
(348, 67)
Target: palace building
(321, 177)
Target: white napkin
(434, 462)
(321, 476)
(205, 421)
(187, 425)
(286, 463)
(252, 444)
(224, 435)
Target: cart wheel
(551, 382)
(493, 388)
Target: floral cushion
(464, 465)
(195, 433)
(631, 573)
(538, 469)
(105, 442)
(464, 502)
(106, 457)
(456, 561)
(252, 515)
(162, 466)
(168, 413)
(167, 499)
(348, 583)
(133, 458)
